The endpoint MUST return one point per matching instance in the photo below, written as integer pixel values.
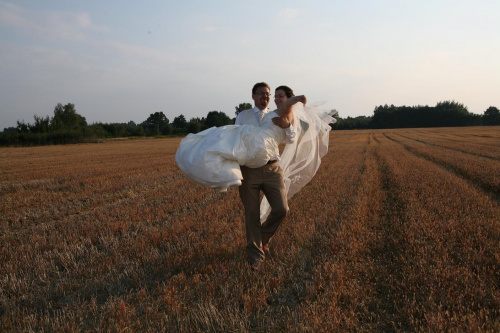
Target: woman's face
(279, 97)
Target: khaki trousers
(269, 180)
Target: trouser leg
(250, 197)
(275, 192)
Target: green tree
(22, 127)
(450, 113)
(360, 122)
(66, 117)
(195, 125)
(243, 107)
(447, 113)
(491, 116)
(115, 130)
(137, 130)
(41, 124)
(180, 124)
(217, 118)
(157, 123)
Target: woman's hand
(281, 122)
(302, 99)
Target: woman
(300, 160)
(213, 157)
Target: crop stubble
(398, 231)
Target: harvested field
(399, 231)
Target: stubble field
(398, 231)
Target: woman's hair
(288, 91)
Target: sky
(120, 61)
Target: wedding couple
(247, 154)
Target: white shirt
(242, 119)
(290, 131)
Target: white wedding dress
(213, 157)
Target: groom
(268, 179)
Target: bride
(213, 157)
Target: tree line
(67, 126)
(444, 114)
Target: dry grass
(398, 231)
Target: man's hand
(281, 122)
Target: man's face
(261, 97)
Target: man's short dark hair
(258, 85)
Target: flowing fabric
(300, 161)
(213, 157)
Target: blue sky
(123, 60)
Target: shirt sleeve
(290, 134)
(238, 119)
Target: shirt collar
(257, 110)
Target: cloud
(49, 24)
(288, 14)
(13, 16)
(210, 28)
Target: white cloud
(288, 14)
(13, 16)
(210, 28)
(49, 24)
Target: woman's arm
(286, 108)
(285, 111)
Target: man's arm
(238, 119)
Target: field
(398, 231)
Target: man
(268, 179)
